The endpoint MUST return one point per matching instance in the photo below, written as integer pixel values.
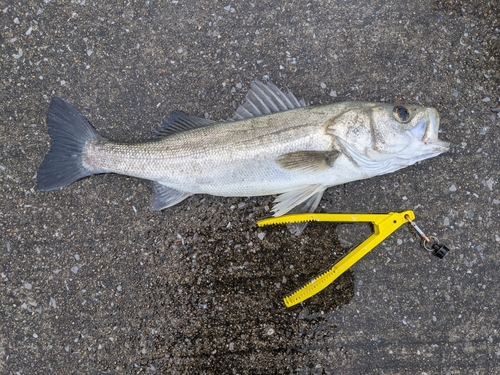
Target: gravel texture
(92, 282)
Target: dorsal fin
(178, 121)
(264, 99)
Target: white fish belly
(266, 178)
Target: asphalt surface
(92, 282)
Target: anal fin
(163, 196)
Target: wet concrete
(93, 282)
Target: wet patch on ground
(236, 276)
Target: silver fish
(274, 144)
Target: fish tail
(69, 132)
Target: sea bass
(274, 144)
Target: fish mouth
(431, 135)
(426, 135)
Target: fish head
(382, 138)
(406, 131)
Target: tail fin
(69, 132)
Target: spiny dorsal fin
(308, 161)
(178, 121)
(264, 99)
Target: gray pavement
(92, 282)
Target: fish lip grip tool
(383, 226)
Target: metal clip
(430, 243)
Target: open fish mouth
(427, 131)
(431, 133)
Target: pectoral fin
(308, 161)
(305, 199)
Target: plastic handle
(383, 224)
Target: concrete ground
(92, 282)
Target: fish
(275, 144)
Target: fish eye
(401, 114)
